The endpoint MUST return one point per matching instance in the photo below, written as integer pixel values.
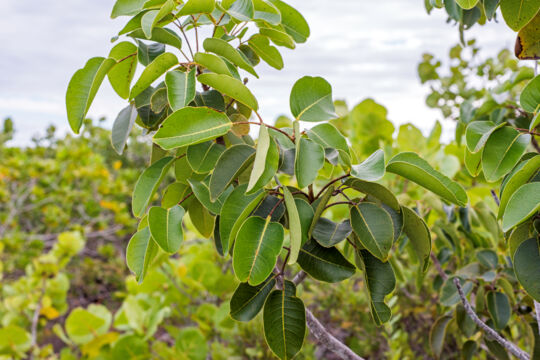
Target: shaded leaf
(309, 160)
(329, 233)
(419, 236)
(374, 228)
(248, 300)
(229, 166)
(324, 264)
(140, 253)
(523, 204)
(527, 267)
(122, 127)
(148, 183)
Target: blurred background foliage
(64, 224)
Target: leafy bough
(256, 200)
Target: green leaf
(213, 63)
(311, 100)
(412, 167)
(152, 72)
(231, 87)
(328, 136)
(261, 46)
(191, 125)
(527, 267)
(502, 152)
(271, 166)
(147, 184)
(256, 249)
(202, 157)
(197, 6)
(522, 174)
(263, 144)
(293, 22)
(329, 233)
(380, 281)
(83, 87)
(234, 211)
(374, 228)
(518, 235)
(173, 194)
(324, 264)
(166, 227)
(127, 7)
(437, 335)
(265, 11)
(295, 226)
(530, 96)
(528, 40)
(309, 160)
(148, 53)
(159, 35)
(499, 308)
(278, 37)
(284, 318)
(319, 205)
(140, 253)
(523, 204)
(371, 169)
(14, 339)
(477, 134)
(121, 74)
(201, 218)
(517, 13)
(241, 10)
(229, 166)
(376, 190)
(248, 300)
(147, 22)
(419, 236)
(467, 4)
(83, 325)
(180, 88)
(306, 213)
(473, 162)
(122, 127)
(202, 192)
(226, 50)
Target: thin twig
(340, 203)
(37, 311)
(268, 126)
(185, 37)
(330, 183)
(185, 198)
(196, 33)
(511, 347)
(495, 197)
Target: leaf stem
(268, 126)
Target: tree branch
(537, 309)
(322, 335)
(511, 347)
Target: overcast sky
(363, 48)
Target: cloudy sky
(363, 48)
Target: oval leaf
(311, 100)
(527, 267)
(231, 87)
(248, 300)
(152, 72)
(374, 228)
(419, 236)
(309, 160)
(284, 318)
(523, 204)
(166, 227)
(147, 184)
(140, 252)
(229, 166)
(83, 87)
(122, 127)
(502, 152)
(295, 227)
(226, 50)
(256, 249)
(329, 233)
(180, 88)
(324, 264)
(371, 169)
(122, 73)
(413, 167)
(191, 125)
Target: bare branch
(511, 347)
(322, 335)
(537, 309)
